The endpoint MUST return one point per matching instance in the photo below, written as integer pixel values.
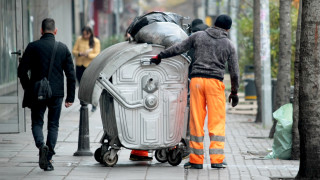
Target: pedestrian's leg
(54, 107)
(216, 119)
(79, 72)
(37, 113)
(197, 118)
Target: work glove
(234, 97)
(156, 59)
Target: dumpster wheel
(97, 155)
(161, 155)
(174, 157)
(109, 162)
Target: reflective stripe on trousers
(207, 94)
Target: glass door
(11, 43)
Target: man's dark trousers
(37, 114)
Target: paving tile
(19, 156)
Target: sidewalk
(246, 143)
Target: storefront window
(8, 61)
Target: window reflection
(8, 62)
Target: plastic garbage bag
(162, 33)
(155, 16)
(282, 143)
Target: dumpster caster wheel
(109, 162)
(174, 157)
(97, 155)
(161, 155)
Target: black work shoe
(43, 153)
(140, 158)
(49, 167)
(220, 165)
(190, 165)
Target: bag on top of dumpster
(282, 143)
(155, 16)
(162, 33)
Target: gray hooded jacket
(212, 50)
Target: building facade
(20, 23)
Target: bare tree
(309, 91)
(284, 69)
(257, 57)
(295, 153)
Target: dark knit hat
(223, 21)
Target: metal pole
(83, 140)
(265, 60)
(233, 30)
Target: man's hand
(155, 59)
(235, 99)
(68, 104)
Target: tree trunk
(295, 153)
(257, 58)
(284, 70)
(309, 91)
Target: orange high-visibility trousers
(140, 152)
(207, 94)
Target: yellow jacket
(82, 45)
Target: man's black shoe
(139, 158)
(190, 165)
(43, 153)
(49, 167)
(220, 165)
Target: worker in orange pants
(139, 155)
(207, 94)
(212, 50)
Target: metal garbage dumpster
(143, 106)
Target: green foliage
(111, 40)
(245, 37)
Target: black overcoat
(36, 60)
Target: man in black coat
(36, 59)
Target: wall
(61, 12)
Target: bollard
(83, 140)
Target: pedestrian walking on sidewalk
(36, 59)
(86, 48)
(212, 50)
